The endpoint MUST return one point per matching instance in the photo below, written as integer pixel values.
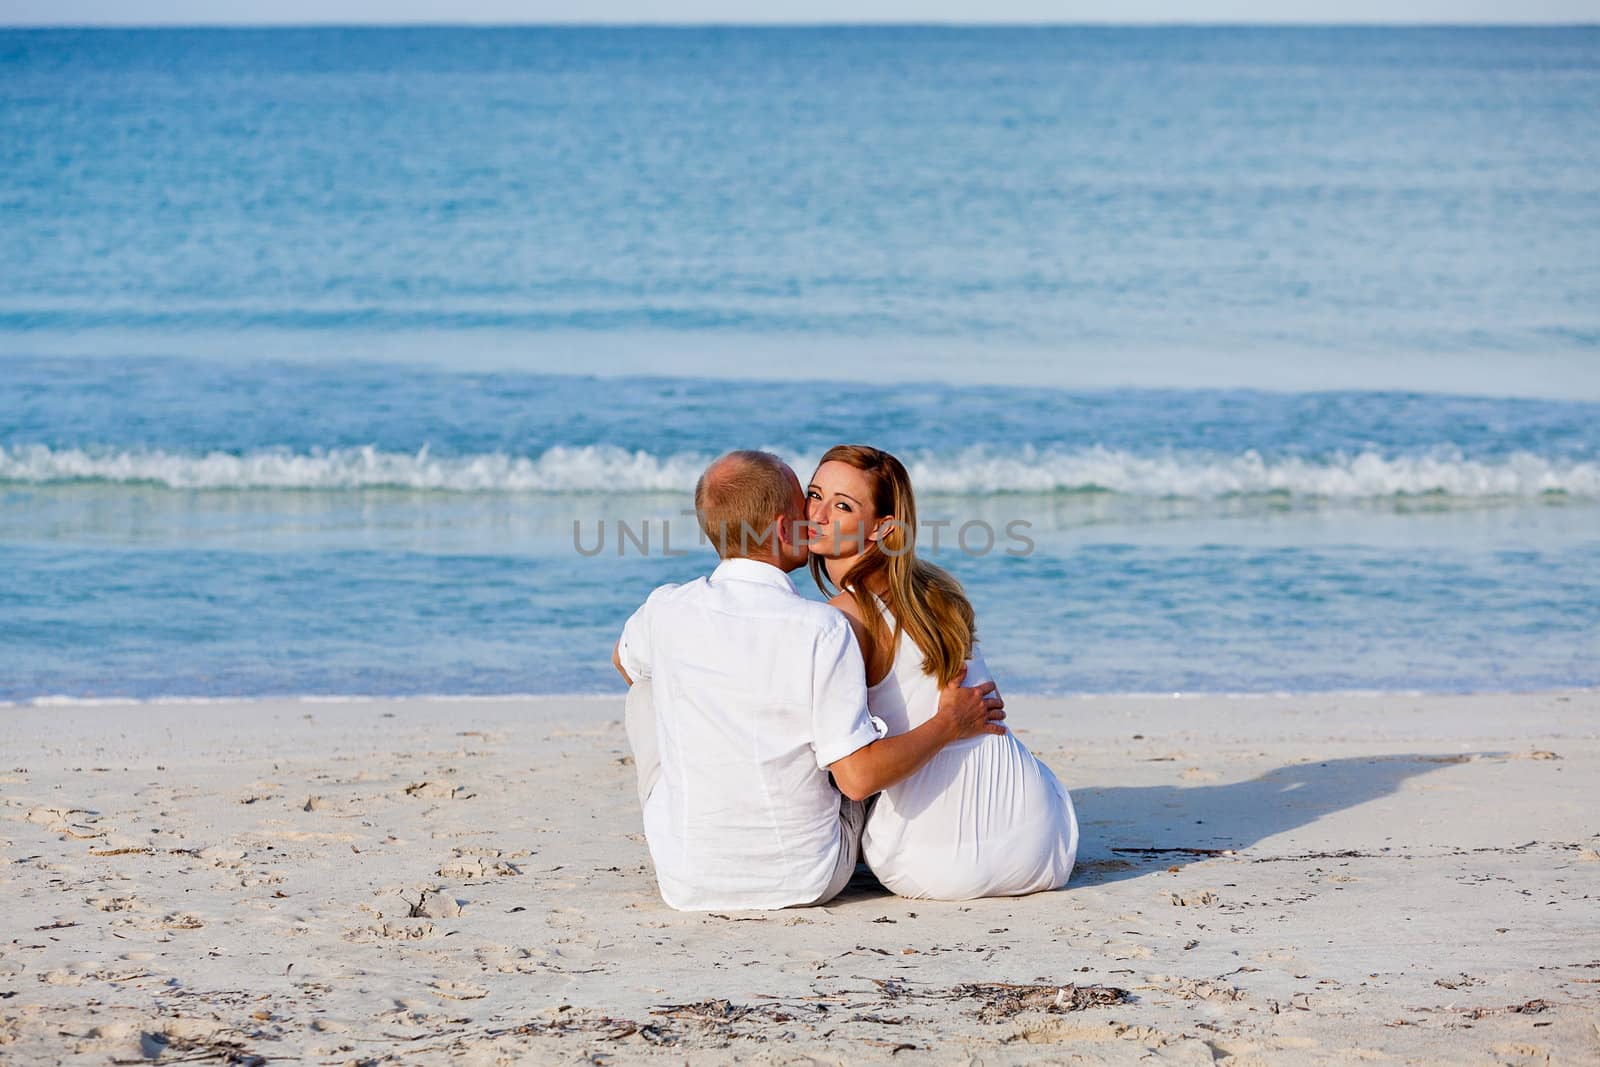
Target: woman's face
(839, 508)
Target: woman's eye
(843, 507)
(813, 495)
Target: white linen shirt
(756, 691)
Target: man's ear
(788, 528)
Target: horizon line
(1308, 24)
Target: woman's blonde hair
(926, 601)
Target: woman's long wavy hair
(926, 601)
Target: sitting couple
(752, 709)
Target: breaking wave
(973, 472)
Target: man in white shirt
(745, 696)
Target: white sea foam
(1358, 476)
(60, 700)
(558, 470)
(973, 472)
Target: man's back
(756, 691)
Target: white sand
(432, 881)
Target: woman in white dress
(984, 817)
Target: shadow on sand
(1128, 831)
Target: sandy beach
(1262, 879)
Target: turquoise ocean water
(328, 357)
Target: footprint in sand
(1052, 1031)
(1193, 988)
(436, 904)
(1274, 955)
(132, 1042)
(1515, 1051)
(75, 973)
(458, 990)
(415, 902)
(112, 1038)
(1204, 898)
(476, 868)
(576, 951)
(391, 931)
(223, 856)
(181, 1034)
(68, 822)
(504, 960)
(309, 835)
(409, 1011)
(256, 878)
(804, 961)
(46, 815)
(1125, 950)
(115, 903)
(438, 791)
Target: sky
(390, 12)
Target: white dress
(983, 818)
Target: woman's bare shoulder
(846, 602)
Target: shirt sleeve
(634, 649)
(840, 723)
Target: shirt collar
(751, 570)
